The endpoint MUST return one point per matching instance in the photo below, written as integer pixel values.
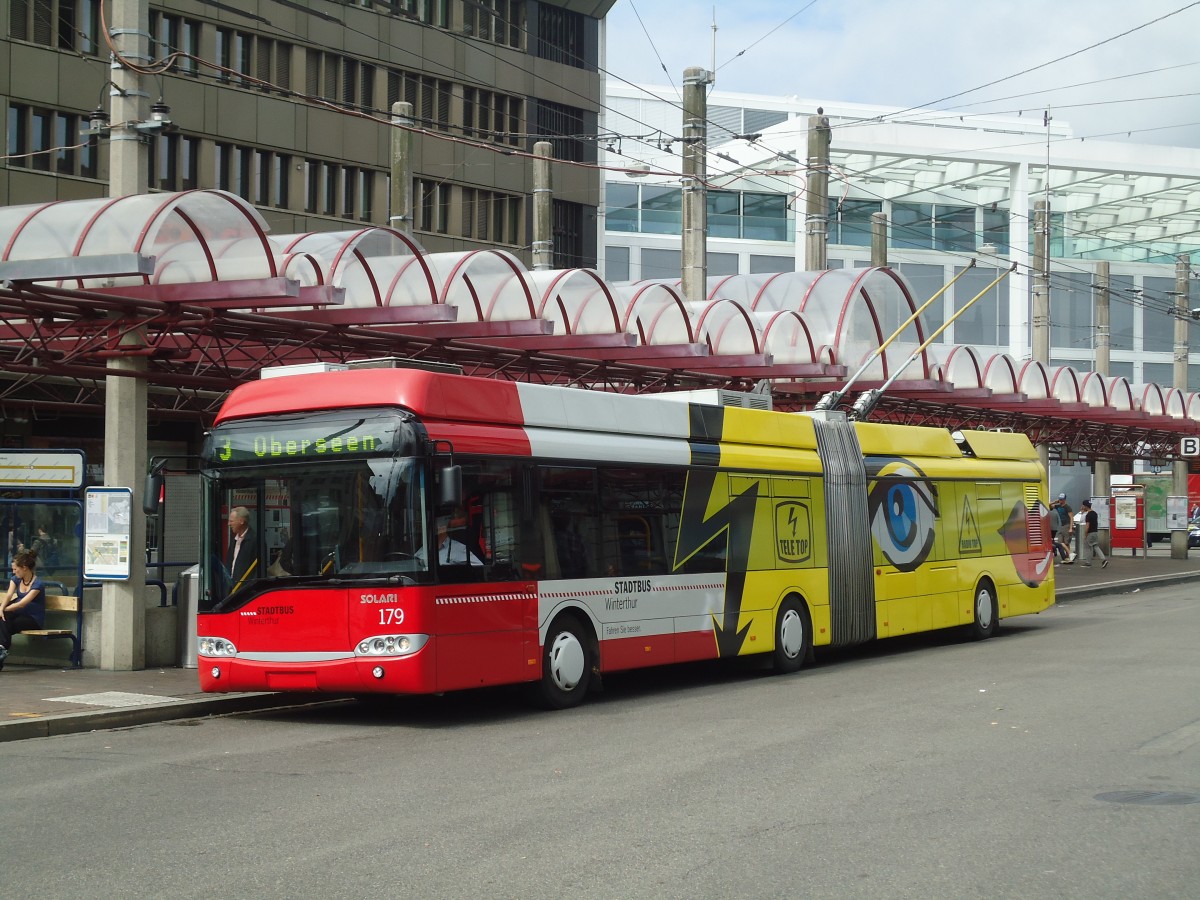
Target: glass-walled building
(951, 189)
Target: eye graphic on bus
(902, 509)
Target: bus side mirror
(450, 486)
(154, 484)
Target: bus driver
(449, 551)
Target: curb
(98, 720)
(1125, 586)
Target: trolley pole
(1041, 298)
(543, 207)
(695, 193)
(401, 192)
(1183, 314)
(1102, 469)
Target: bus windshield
(327, 520)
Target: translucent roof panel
(578, 301)
(1093, 389)
(786, 336)
(484, 285)
(1000, 374)
(1064, 384)
(193, 235)
(654, 312)
(727, 326)
(961, 367)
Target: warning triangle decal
(968, 535)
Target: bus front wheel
(793, 636)
(987, 615)
(566, 664)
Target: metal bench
(64, 604)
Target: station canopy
(195, 283)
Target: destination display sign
(311, 437)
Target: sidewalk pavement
(37, 701)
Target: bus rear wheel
(793, 636)
(567, 661)
(987, 615)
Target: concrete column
(695, 193)
(123, 609)
(543, 207)
(1018, 250)
(129, 156)
(400, 214)
(879, 236)
(123, 604)
(1183, 314)
(816, 218)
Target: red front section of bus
(307, 639)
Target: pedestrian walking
(1091, 540)
(1064, 524)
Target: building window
(983, 324)
(489, 216)
(491, 116)
(173, 162)
(71, 25)
(561, 36)
(912, 226)
(46, 140)
(616, 264)
(1071, 311)
(661, 264)
(954, 228)
(1158, 315)
(567, 235)
(497, 21)
(662, 209)
(620, 207)
(1121, 312)
(251, 61)
(850, 221)
(763, 265)
(429, 97)
(722, 264)
(564, 127)
(724, 219)
(764, 217)
(925, 281)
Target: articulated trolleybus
(414, 532)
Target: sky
(1138, 85)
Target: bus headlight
(215, 646)
(391, 645)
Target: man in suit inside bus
(242, 555)
(448, 550)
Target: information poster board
(1177, 513)
(1125, 513)
(107, 520)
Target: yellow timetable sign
(41, 469)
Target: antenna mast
(713, 67)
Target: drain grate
(1150, 798)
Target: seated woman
(24, 606)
